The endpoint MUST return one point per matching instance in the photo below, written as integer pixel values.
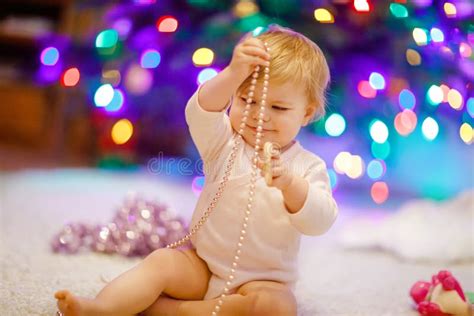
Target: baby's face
(286, 111)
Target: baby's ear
(310, 112)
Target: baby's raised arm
(215, 93)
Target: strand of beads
(248, 211)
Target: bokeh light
(197, 185)
(122, 131)
(430, 128)
(351, 165)
(70, 77)
(434, 95)
(203, 57)
(356, 168)
(376, 169)
(167, 24)
(470, 107)
(405, 122)
(342, 162)
(111, 76)
(466, 132)
(450, 10)
(206, 74)
(379, 192)
(420, 36)
(437, 35)
(106, 39)
(335, 125)
(49, 56)
(398, 10)
(150, 59)
(407, 99)
(362, 5)
(103, 95)
(366, 90)
(445, 90)
(377, 81)
(333, 178)
(323, 15)
(413, 57)
(455, 99)
(380, 151)
(245, 8)
(138, 80)
(378, 131)
(465, 50)
(117, 101)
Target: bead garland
(223, 183)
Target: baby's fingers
(256, 51)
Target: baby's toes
(60, 295)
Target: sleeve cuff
(317, 214)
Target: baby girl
(230, 268)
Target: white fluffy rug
(35, 204)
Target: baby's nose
(256, 113)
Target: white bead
(265, 89)
(236, 258)
(257, 141)
(244, 119)
(251, 92)
(266, 77)
(243, 232)
(226, 290)
(266, 70)
(217, 308)
(231, 277)
(259, 129)
(232, 270)
(255, 75)
(214, 314)
(252, 88)
(245, 225)
(246, 112)
(235, 263)
(264, 96)
(241, 238)
(254, 81)
(246, 218)
(228, 283)
(221, 302)
(259, 134)
(239, 244)
(247, 212)
(242, 125)
(241, 131)
(260, 122)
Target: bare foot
(68, 304)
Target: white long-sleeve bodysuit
(271, 245)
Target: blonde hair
(295, 58)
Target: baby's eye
(279, 108)
(245, 100)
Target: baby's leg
(235, 304)
(173, 272)
(256, 298)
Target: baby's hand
(275, 173)
(249, 53)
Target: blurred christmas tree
(402, 73)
